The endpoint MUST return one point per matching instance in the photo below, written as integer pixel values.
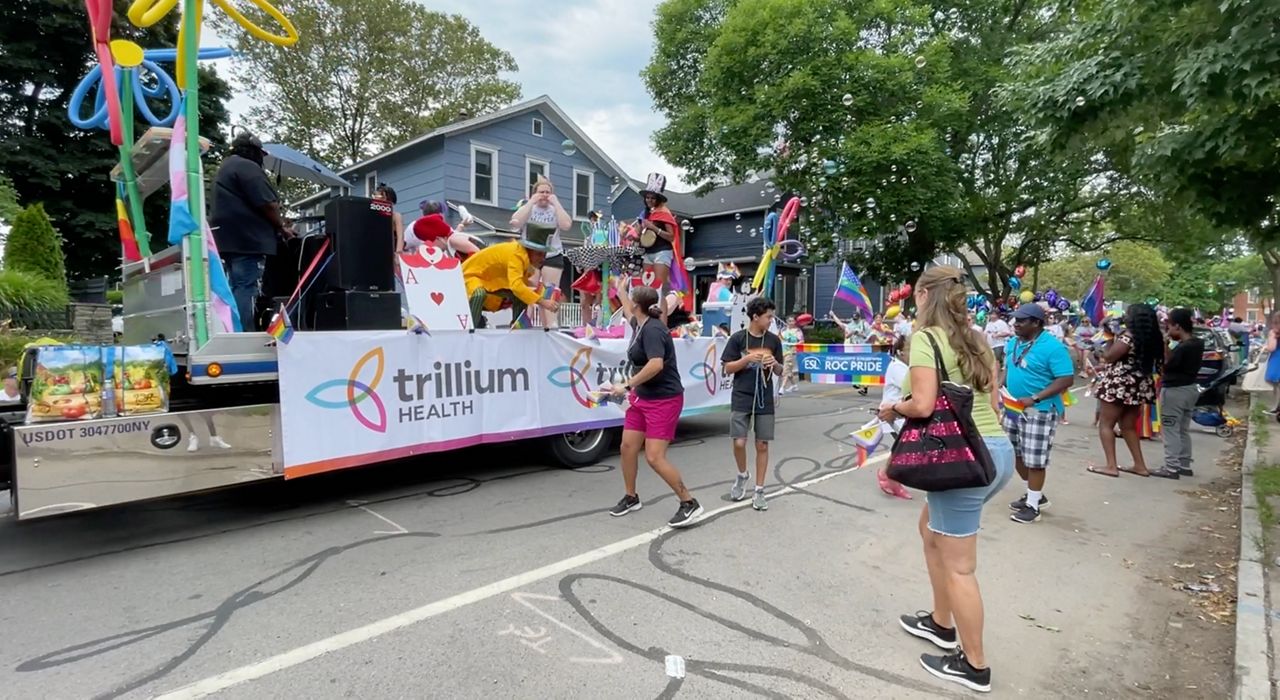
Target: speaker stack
(359, 278)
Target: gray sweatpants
(1176, 405)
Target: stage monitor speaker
(348, 310)
(363, 244)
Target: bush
(13, 342)
(34, 247)
(824, 335)
(28, 292)
(115, 296)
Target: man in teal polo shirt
(1037, 370)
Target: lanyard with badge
(1021, 359)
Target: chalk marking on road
(528, 633)
(523, 599)
(399, 530)
(373, 630)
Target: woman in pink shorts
(657, 397)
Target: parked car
(1221, 354)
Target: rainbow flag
(1068, 399)
(182, 223)
(525, 320)
(850, 290)
(866, 439)
(1012, 407)
(128, 240)
(280, 328)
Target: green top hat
(536, 236)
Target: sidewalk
(1255, 675)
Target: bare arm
(1271, 341)
(521, 217)
(563, 220)
(398, 224)
(624, 299)
(1116, 352)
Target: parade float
(189, 401)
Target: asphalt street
(489, 573)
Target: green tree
(34, 247)
(882, 114)
(9, 206)
(1183, 93)
(1138, 272)
(47, 50)
(368, 75)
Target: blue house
(487, 164)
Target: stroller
(1209, 410)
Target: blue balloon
(1063, 304)
(1104, 264)
(1015, 284)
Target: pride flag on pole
(182, 223)
(866, 439)
(128, 240)
(849, 289)
(1012, 407)
(1092, 304)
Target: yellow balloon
(288, 38)
(126, 53)
(144, 13)
(892, 312)
(1027, 296)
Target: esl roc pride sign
(861, 365)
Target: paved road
(486, 573)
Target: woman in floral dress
(1125, 384)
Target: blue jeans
(244, 274)
(956, 513)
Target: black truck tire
(580, 449)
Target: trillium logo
(361, 392)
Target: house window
(370, 183)
(1252, 316)
(583, 199)
(802, 293)
(1253, 296)
(534, 168)
(484, 175)
(537, 126)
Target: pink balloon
(789, 213)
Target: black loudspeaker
(347, 310)
(363, 244)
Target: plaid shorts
(1032, 435)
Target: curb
(1253, 659)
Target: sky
(587, 56)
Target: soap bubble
(829, 167)
(804, 201)
(921, 61)
(761, 193)
(737, 217)
(893, 168)
(686, 225)
(688, 264)
(1080, 101)
(856, 208)
(822, 182)
(893, 178)
(915, 267)
(844, 181)
(568, 147)
(847, 99)
(737, 229)
(769, 186)
(910, 226)
(871, 203)
(753, 233)
(884, 183)
(617, 180)
(777, 198)
(893, 217)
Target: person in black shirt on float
(1178, 400)
(246, 222)
(753, 356)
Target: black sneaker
(1167, 473)
(1186, 471)
(626, 505)
(922, 625)
(687, 514)
(1026, 515)
(957, 669)
(1022, 502)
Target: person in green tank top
(950, 520)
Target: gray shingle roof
(721, 200)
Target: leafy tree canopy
(365, 76)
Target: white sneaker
(219, 443)
(193, 443)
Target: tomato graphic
(73, 412)
(142, 384)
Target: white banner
(350, 399)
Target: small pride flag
(545, 291)
(1012, 407)
(850, 290)
(1068, 399)
(280, 328)
(866, 439)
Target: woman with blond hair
(544, 209)
(950, 519)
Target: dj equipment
(363, 244)
(350, 310)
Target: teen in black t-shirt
(1178, 398)
(754, 357)
(656, 402)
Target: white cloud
(587, 56)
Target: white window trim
(370, 183)
(471, 175)
(537, 128)
(591, 193)
(546, 171)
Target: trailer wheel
(579, 449)
(1225, 431)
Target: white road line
(342, 640)
(399, 529)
